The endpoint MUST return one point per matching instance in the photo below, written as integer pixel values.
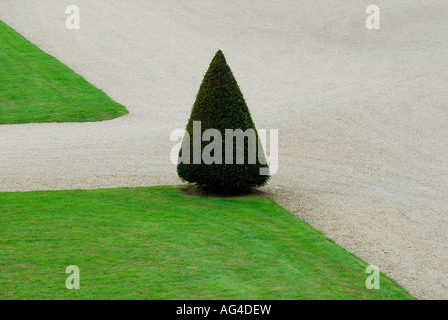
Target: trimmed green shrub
(220, 105)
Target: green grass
(159, 243)
(36, 87)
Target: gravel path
(363, 115)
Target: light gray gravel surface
(363, 115)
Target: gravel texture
(363, 115)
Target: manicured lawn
(159, 243)
(35, 87)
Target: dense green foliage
(220, 105)
(35, 87)
(160, 243)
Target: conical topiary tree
(220, 105)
